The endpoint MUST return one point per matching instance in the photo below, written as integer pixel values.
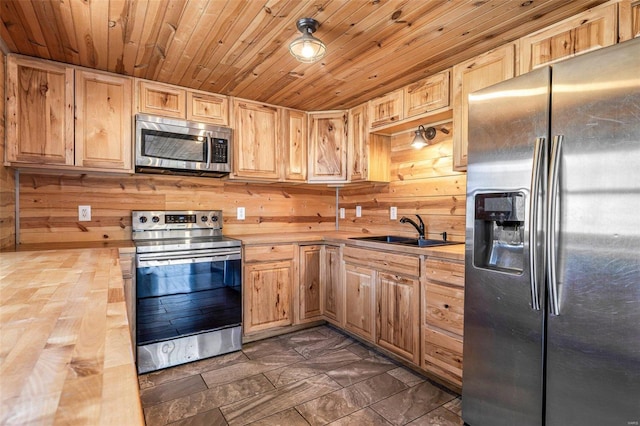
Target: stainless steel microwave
(172, 146)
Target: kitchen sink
(407, 241)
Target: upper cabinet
(327, 146)
(427, 95)
(594, 29)
(43, 130)
(294, 145)
(39, 110)
(387, 109)
(471, 75)
(256, 148)
(177, 102)
(368, 155)
(103, 121)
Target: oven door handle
(170, 259)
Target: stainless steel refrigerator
(552, 290)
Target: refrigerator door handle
(540, 147)
(556, 154)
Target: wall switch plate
(342, 213)
(84, 213)
(358, 211)
(240, 213)
(393, 213)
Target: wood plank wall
(422, 182)
(7, 181)
(49, 205)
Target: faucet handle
(444, 236)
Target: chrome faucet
(419, 228)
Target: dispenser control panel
(500, 207)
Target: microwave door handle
(209, 149)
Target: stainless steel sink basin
(394, 239)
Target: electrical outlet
(393, 213)
(84, 213)
(342, 213)
(240, 213)
(358, 211)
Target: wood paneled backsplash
(49, 205)
(7, 182)
(422, 182)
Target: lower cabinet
(359, 313)
(332, 301)
(308, 295)
(269, 278)
(443, 318)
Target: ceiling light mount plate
(307, 25)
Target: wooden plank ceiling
(239, 47)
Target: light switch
(358, 211)
(240, 213)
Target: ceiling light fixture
(307, 48)
(419, 141)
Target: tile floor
(316, 376)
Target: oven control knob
(214, 218)
(204, 218)
(155, 219)
(143, 219)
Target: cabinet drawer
(384, 261)
(442, 355)
(445, 271)
(444, 307)
(268, 253)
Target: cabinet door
(327, 146)
(208, 108)
(39, 112)
(332, 287)
(103, 121)
(475, 74)
(427, 95)
(256, 149)
(267, 295)
(590, 30)
(359, 302)
(295, 145)
(358, 140)
(162, 99)
(442, 355)
(387, 109)
(309, 286)
(398, 315)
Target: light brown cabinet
(594, 29)
(332, 285)
(294, 145)
(103, 121)
(359, 316)
(443, 318)
(426, 95)
(39, 112)
(161, 99)
(52, 122)
(308, 296)
(471, 75)
(369, 155)
(268, 282)
(387, 109)
(256, 139)
(327, 146)
(207, 108)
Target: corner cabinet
(369, 155)
(257, 152)
(308, 296)
(327, 146)
(332, 287)
(474, 74)
(43, 128)
(268, 281)
(294, 145)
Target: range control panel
(170, 220)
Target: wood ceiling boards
(239, 47)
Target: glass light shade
(419, 141)
(307, 48)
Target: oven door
(185, 293)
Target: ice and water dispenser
(499, 231)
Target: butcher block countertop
(65, 348)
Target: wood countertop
(65, 348)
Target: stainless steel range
(188, 285)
